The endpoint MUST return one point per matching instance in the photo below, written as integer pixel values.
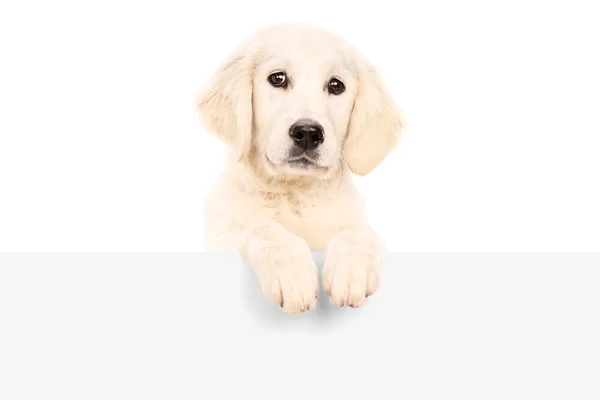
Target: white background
(196, 326)
(101, 148)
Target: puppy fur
(273, 211)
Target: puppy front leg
(352, 266)
(283, 264)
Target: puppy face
(303, 98)
(298, 100)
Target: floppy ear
(226, 104)
(375, 124)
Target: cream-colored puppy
(299, 108)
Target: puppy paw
(351, 271)
(289, 278)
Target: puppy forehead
(298, 66)
(303, 46)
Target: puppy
(299, 109)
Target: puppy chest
(313, 219)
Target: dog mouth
(302, 162)
(302, 165)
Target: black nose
(307, 134)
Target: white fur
(274, 214)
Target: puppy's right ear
(226, 104)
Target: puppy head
(297, 100)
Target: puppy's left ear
(226, 104)
(375, 124)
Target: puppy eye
(335, 86)
(278, 79)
